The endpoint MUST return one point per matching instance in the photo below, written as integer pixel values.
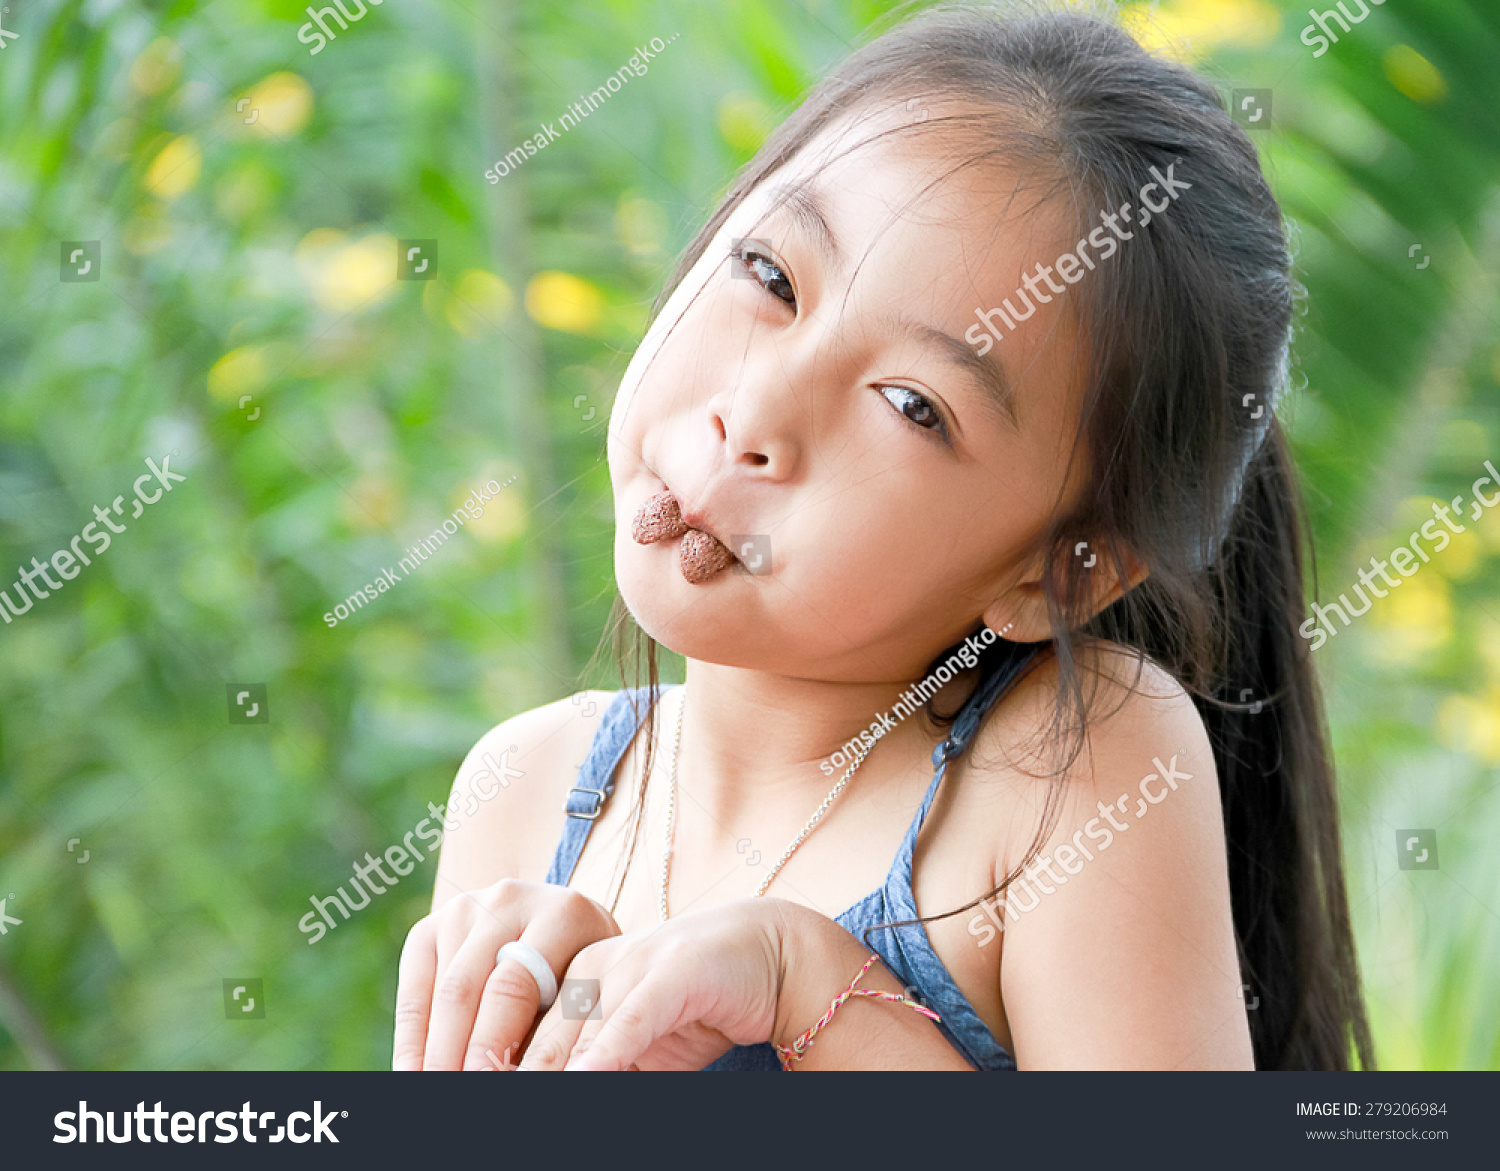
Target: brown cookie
(659, 519)
(702, 557)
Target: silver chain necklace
(860, 752)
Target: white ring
(535, 963)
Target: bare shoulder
(1119, 947)
(1140, 740)
(1131, 705)
(505, 811)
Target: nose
(758, 428)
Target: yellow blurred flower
(241, 371)
(371, 502)
(1471, 724)
(744, 121)
(1414, 75)
(1461, 559)
(175, 170)
(504, 515)
(280, 104)
(1461, 553)
(1487, 639)
(1416, 617)
(345, 276)
(157, 67)
(1488, 525)
(480, 302)
(148, 231)
(1188, 30)
(642, 226)
(560, 300)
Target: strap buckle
(598, 794)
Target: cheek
(664, 359)
(629, 568)
(901, 544)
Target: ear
(1024, 605)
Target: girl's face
(808, 396)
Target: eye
(763, 271)
(916, 407)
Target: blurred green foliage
(248, 196)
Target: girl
(950, 457)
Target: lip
(696, 517)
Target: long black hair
(1187, 334)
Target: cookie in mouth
(701, 556)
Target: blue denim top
(906, 951)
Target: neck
(750, 737)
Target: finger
(456, 995)
(652, 1009)
(557, 1032)
(510, 1001)
(414, 981)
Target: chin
(685, 618)
(719, 621)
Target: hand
(674, 996)
(454, 1003)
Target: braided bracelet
(797, 1050)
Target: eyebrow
(806, 209)
(985, 371)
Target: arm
(456, 1006)
(819, 958)
(1129, 960)
(505, 810)
(677, 995)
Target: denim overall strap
(916, 959)
(977, 706)
(596, 780)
